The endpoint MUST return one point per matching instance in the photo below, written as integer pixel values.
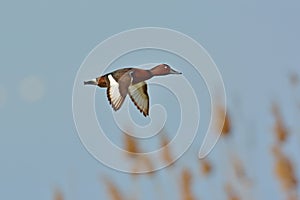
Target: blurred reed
(231, 194)
(130, 145)
(58, 195)
(186, 185)
(279, 127)
(166, 152)
(284, 168)
(112, 190)
(221, 114)
(205, 166)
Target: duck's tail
(91, 82)
(100, 81)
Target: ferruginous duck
(130, 81)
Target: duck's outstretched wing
(139, 96)
(115, 96)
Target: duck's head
(163, 69)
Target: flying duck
(130, 81)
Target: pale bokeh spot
(3, 96)
(32, 89)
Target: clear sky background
(255, 44)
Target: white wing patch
(113, 94)
(139, 96)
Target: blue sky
(43, 43)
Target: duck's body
(138, 75)
(130, 81)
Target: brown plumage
(130, 81)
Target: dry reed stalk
(131, 145)
(58, 195)
(113, 190)
(226, 126)
(240, 172)
(206, 167)
(143, 162)
(140, 161)
(284, 170)
(186, 185)
(166, 153)
(279, 127)
(238, 168)
(231, 194)
(148, 164)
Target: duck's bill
(172, 71)
(91, 82)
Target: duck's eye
(166, 67)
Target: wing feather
(139, 96)
(113, 94)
